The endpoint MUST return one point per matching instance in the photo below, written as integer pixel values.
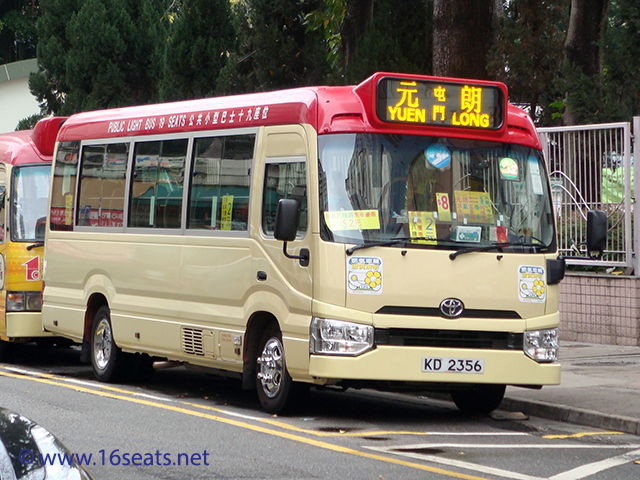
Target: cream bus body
(162, 245)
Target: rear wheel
(273, 382)
(107, 360)
(479, 399)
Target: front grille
(415, 337)
(192, 343)
(435, 312)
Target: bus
(25, 169)
(395, 235)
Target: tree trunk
(581, 47)
(357, 19)
(463, 32)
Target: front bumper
(25, 325)
(404, 364)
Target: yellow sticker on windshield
(475, 207)
(444, 207)
(352, 220)
(422, 226)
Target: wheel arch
(94, 302)
(256, 324)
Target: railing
(591, 167)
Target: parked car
(29, 452)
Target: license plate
(453, 365)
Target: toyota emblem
(451, 307)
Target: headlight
(542, 345)
(24, 302)
(334, 337)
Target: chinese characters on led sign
(429, 102)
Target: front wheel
(273, 382)
(107, 359)
(479, 399)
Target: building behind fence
(591, 167)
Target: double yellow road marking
(133, 397)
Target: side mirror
(287, 215)
(286, 227)
(596, 232)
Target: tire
(478, 400)
(107, 360)
(273, 382)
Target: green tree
(18, 38)
(29, 122)
(328, 18)
(463, 33)
(201, 37)
(621, 71)
(582, 66)
(98, 54)
(49, 84)
(358, 17)
(391, 36)
(274, 50)
(528, 55)
(399, 39)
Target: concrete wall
(600, 309)
(16, 102)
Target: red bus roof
(326, 109)
(30, 146)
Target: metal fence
(591, 167)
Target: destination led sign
(442, 104)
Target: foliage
(29, 122)
(106, 53)
(528, 55)
(49, 84)
(98, 54)
(18, 36)
(621, 71)
(199, 42)
(274, 49)
(399, 40)
(328, 18)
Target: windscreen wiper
(495, 246)
(384, 243)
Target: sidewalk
(600, 388)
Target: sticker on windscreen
(438, 155)
(508, 168)
(364, 275)
(532, 285)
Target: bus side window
(220, 183)
(284, 180)
(102, 185)
(64, 186)
(157, 183)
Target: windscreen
(434, 192)
(30, 193)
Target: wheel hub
(102, 343)
(271, 364)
